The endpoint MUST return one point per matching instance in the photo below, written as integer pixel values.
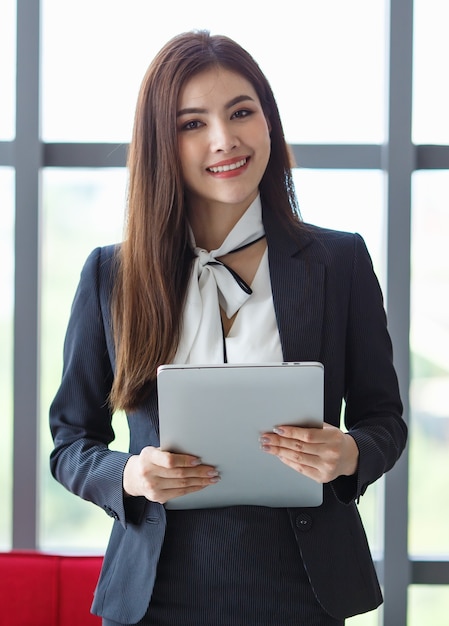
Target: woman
(210, 183)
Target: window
(7, 64)
(428, 605)
(82, 209)
(351, 200)
(333, 94)
(6, 343)
(430, 92)
(429, 339)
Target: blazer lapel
(298, 286)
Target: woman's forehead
(216, 84)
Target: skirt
(237, 566)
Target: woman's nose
(223, 138)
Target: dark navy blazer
(329, 308)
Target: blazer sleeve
(373, 408)
(80, 418)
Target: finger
(325, 455)
(271, 440)
(184, 482)
(296, 437)
(303, 468)
(294, 457)
(175, 467)
(293, 454)
(178, 474)
(171, 494)
(163, 489)
(308, 435)
(327, 444)
(323, 467)
(309, 465)
(167, 459)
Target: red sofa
(39, 589)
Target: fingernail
(278, 431)
(212, 473)
(264, 440)
(196, 462)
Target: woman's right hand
(160, 476)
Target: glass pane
(430, 87)
(334, 94)
(367, 619)
(82, 209)
(7, 68)
(428, 605)
(351, 200)
(329, 74)
(333, 199)
(6, 352)
(429, 338)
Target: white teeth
(227, 168)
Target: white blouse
(254, 336)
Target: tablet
(218, 412)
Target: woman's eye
(241, 113)
(192, 125)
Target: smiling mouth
(218, 169)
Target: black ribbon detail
(238, 279)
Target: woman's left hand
(319, 453)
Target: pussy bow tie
(233, 291)
(213, 284)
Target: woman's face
(223, 139)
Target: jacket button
(304, 522)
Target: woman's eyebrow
(237, 100)
(228, 105)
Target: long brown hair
(155, 258)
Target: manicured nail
(278, 431)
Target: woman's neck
(210, 232)
(211, 225)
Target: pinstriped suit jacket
(329, 308)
